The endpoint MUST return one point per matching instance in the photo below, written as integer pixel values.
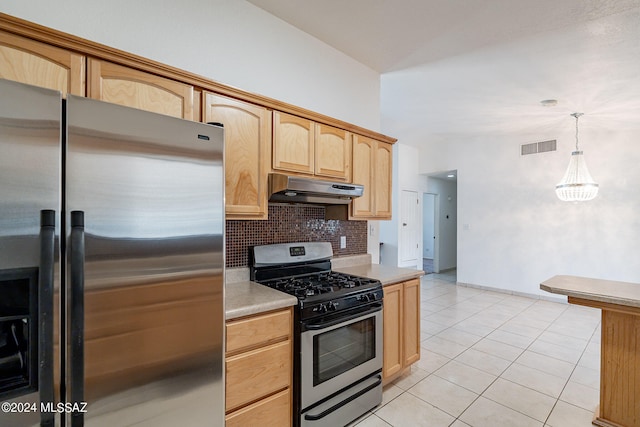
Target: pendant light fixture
(577, 185)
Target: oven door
(339, 350)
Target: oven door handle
(314, 325)
(321, 415)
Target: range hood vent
(296, 189)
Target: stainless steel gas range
(338, 332)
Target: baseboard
(516, 293)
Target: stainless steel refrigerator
(111, 264)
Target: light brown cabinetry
(292, 143)
(247, 129)
(303, 146)
(258, 368)
(31, 62)
(401, 336)
(332, 152)
(133, 88)
(372, 166)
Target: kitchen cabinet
(303, 146)
(332, 152)
(292, 143)
(138, 89)
(401, 330)
(39, 64)
(372, 167)
(247, 152)
(259, 369)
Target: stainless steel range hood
(296, 189)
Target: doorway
(429, 256)
(439, 221)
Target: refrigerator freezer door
(151, 191)
(30, 161)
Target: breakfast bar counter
(620, 351)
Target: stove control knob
(321, 308)
(373, 296)
(332, 306)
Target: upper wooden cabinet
(332, 152)
(372, 167)
(303, 146)
(31, 62)
(382, 174)
(133, 88)
(247, 129)
(293, 143)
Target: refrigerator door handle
(45, 315)
(76, 349)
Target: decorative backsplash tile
(293, 223)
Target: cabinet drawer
(257, 373)
(258, 330)
(273, 411)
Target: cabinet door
(293, 143)
(333, 152)
(363, 153)
(247, 134)
(256, 374)
(392, 330)
(27, 61)
(133, 88)
(273, 411)
(411, 320)
(383, 166)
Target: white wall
(472, 112)
(519, 233)
(230, 41)
(405, 177)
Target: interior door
(409, 236)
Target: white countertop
(247, 298)
(244, 298)
(386, 274)
(607, 291)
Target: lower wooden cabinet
(259, 368)
(274, 410)
(401, 326)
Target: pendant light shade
(577, 185)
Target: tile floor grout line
(512, 313)
(500, 376)
(569, 378)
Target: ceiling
(463, 68)
(389, 35)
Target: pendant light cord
(577, 115)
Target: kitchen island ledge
(620, 343)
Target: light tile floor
(494, 359)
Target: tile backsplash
(293, 223)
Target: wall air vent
(538, 147)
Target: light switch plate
(343, 242)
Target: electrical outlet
(343, 242)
